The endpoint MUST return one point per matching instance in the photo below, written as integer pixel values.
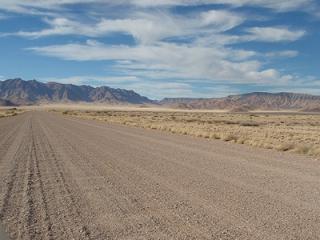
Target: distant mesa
(21, 92)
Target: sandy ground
(106, 107)
(3, 235)
(67, 178)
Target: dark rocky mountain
(4, 103)
(21, 92)
(250, 101)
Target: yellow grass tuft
(9, 112)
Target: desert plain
(115, 173)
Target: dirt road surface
(66, 178)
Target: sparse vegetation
(298, 133)
(9, 112)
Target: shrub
(230, 137)
(285, 147)
(302, 149)
(215, 136)
(249, 124)
(241, 140)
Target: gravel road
(66, 178)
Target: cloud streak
(273, 34)
(143, 27)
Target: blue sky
(165, 48)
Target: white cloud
(159, 90)
(25, 5)
(171, 61)
(285, 54)
(145, 28)
(221, 20)
(273, 34)
(206, 29)
(257, 34)
(282, 5)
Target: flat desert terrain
(283, 131)
(70, 178)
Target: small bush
(302, 149)
(315, 151)
(230, 122)
(230, 137)
(215, 136)
(285, 147)
(249, 124)
(241, 140)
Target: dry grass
(299, 133)
(9, 112)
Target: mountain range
(249, 102)
(21, 92)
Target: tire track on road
(36, 213)
(12, 192)
(62, 191)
